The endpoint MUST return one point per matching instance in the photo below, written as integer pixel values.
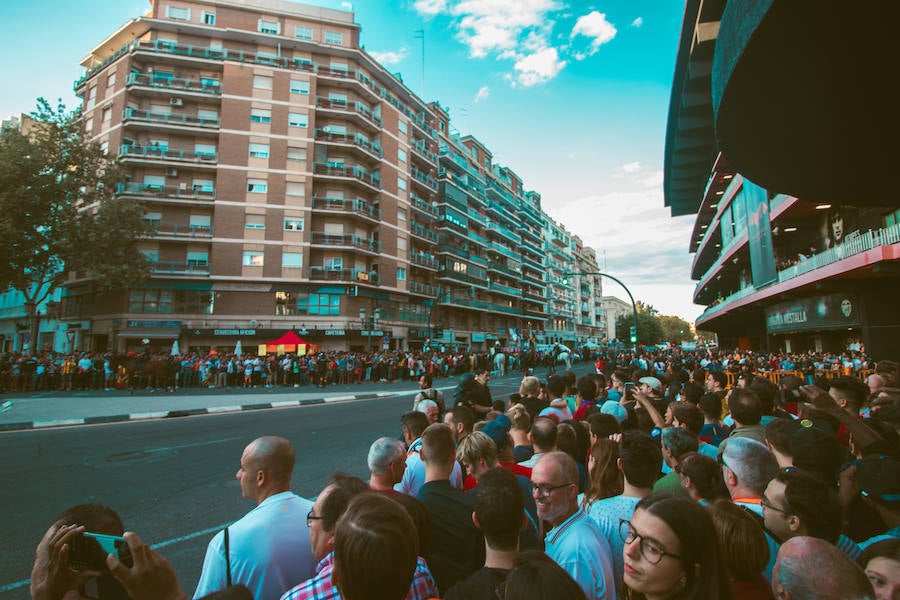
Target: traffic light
(565, 280)
(633, 334)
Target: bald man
(268, 549)
(809, 567)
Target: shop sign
(153, 324)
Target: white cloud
(539, 67)
(388, 57)
(637, 22)
(631, 167)
(347, 5)
(482, 94)
(595, 27)
(430, 8)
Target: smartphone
(629, 388)
(87, 551)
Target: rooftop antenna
(420, 35)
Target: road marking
(6, 406)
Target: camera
(87, 551)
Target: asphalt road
(172, 481)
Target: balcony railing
(349, 205)
(157, 152)
(423, 178)
(856, 245)
(181, 230)
(420, 148)
(353, 171)
(347, 275)
(423, 260)
(132, 114)
(505, 289)
(349, 106)
(423, 206)
(423, 289)
(422, 232)
(170, 267)
(504, 250)
(514, 237)
(355, 139)
(320, 238)
(181, 192)
(208, 86)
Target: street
(172, 480)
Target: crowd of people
(641, 480)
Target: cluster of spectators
(588, 487)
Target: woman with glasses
(672, 552)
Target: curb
(174, 414)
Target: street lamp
(634, 329)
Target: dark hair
(679, 441)
(778, 434)
(582, 439)
(603, 425)
(376, 549)
(711, 405)
(566, 440)
(719, 377)
(814, 502)
(556, 386)
(343, 489)
(96, 518)
(745, 550)
(688, 415)
(692, 392)
(641, 459)
(462, 415)
(427, 379)
(499, 506)
(851, 389)
(766, 391)
(745, 406)
(700, 556)
(605, 478)
(536, 576)
(543, 432)
(438, 444)
(705, 474)
(887, 548)
(418, 512)
(415, 422)
(587, 388)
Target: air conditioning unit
(176, 101)
(172, 173)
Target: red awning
(289, 341)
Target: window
(89, 126)
(206, 114)
(333, 263)
(401, 214)
(253, 259)
(152, 218)
(336, 129)
(170, 301)
(198, 259)
(208, 18)
(210, 82)
(92, 97)
(255, 222)
(401, 183)
(201, 223)
(294, 153)
(104, 146)
(107, 116)
(259, 151)
(295, 188)
(298, 120)
(401, 274)
(401, 155)
(111, 81)
(334, 37)
(292, 260)
(324, 304)
(336, 98)
(401, 125)
(151, 255)
(298, 86)
(260, 115)
(303, 33)
(262, 82)
(159, 145)
(257, 186)
(271, 27)
(339, 66)
(154, 182)
(177, 12)
(293, 224)
(401, 243)
(203, 185)
(205, 149)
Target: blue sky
(571, 95)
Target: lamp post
(634, 329)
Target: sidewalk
(48, 409)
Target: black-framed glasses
(543, 490)
(310, 517)
(768, 505)
(651, 550)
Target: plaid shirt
(320, 587)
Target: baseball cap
(814, 448)
(653, 382)
(497, 430)
(611, 407)
(878, 477)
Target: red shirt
(517, 469)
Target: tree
(675, 329)
(59, 213)
(649, 329)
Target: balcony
(159, 154)
(482, 241)
(171, 267)
(885, 236)
(423, 260)
(176, 230)
(500, 268)
(181, 85)
(503, 250)
(371, 150)
(168, 120)
(348, 241)
(515, 238)
(479, 260)
(424, 179)
(359, 112)
(501, 212)
(344, 275)
(422, 207)
(448, 249)
(422, 289)
(422, 232)
(352, 206)
(180, 192)
(503, 289)
(476, 216)
(420, 149)
(352, 172)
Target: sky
(571, 95)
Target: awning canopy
(289, 342)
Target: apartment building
(775, 271)
(296, 184)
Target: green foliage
(59, 214)
(675, 329)
(654, 328)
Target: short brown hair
(741, 540)
(478, 445)
(376, 549)
(438, 445)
